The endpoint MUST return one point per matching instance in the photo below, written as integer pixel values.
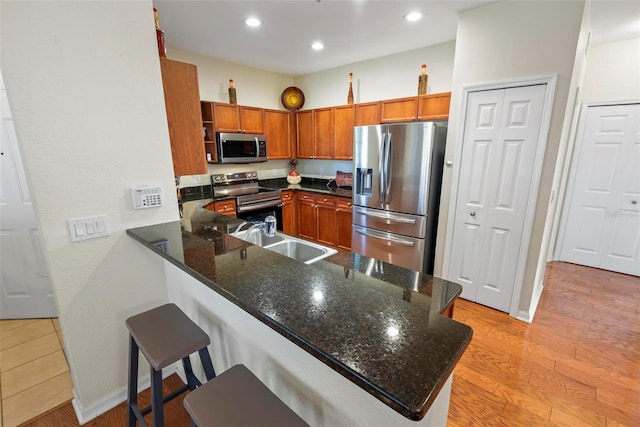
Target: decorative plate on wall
(292, 98)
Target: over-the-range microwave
(241, 147)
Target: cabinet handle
(634, 202)
(473, 214)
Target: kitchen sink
(292, 247)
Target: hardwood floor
(577, 364)
(34, 374)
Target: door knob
(473, 214)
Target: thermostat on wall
(146, 197)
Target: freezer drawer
(395, 249)
(392, 222)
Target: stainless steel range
(253, 202)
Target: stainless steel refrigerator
(396, 192)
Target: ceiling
(352, 31)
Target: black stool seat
(238, 398)
(164, 335)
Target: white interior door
(602, 223)
(25, 291)
(498, 151)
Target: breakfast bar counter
(375, 325)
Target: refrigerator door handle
(387, 217)
(381, 159)
(370, 233)
(387, 173)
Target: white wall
(509, 40)
(393, 76)
(84, 85)
(613, 72)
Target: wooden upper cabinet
(399, 110)
(323, 127)
(344, 118)
(182, 102)
(434, 106)
(278, 130)
(304, 147)
(416, 108)
(367, 114)
(237, 118)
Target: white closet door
(25, 290)
(499, 147)
(602, 224)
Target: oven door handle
(259, 205)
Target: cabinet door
(277, 129)
(305, 134)
(323, 128)
(434, 107)
(251, 120)
(399, 110)
(226, 118)
(344, 221)
(288, 213)
(343, 136)
(184, 117)
(367, 114)
(306, 216)
(326, 230)
(226, 207)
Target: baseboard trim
(527, 316)
(86, 414)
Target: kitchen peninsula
(362, 343)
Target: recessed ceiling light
(413, 16)
(252, 22)
(317, 46)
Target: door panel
(25, 290)
(602, 224)
(499, 146)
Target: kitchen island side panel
(320, 395)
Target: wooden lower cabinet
(288, 213)
(324, 219)
(306, 215)
(344, 219)
(225, 207)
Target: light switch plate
(87, 228)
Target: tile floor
(34, 374)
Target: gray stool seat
(164, 335)
(237, 397)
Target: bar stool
(164, 335)
(237, 397)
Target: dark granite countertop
(376, 324)
(314, 185)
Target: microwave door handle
(381, 180)
(257, 147)
(388, 165)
